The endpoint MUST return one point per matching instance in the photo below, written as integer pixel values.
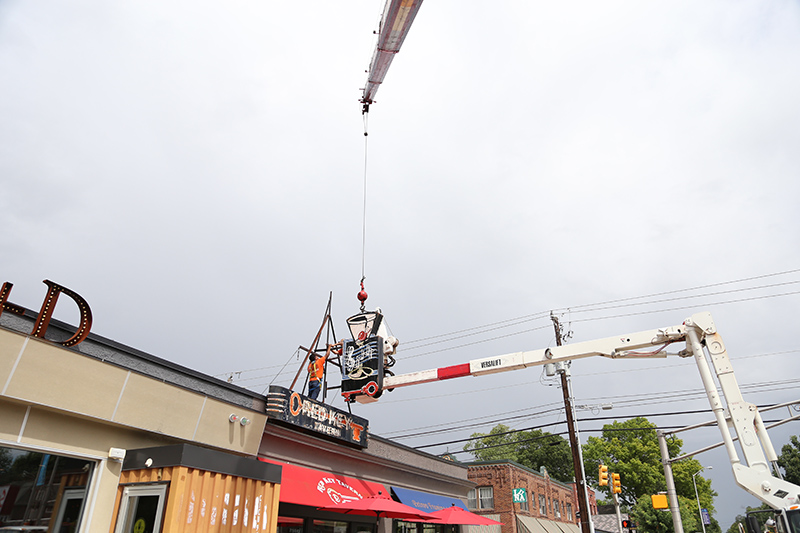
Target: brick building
(524, 500)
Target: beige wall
(58, 401)
(33, 428)
(36, 372)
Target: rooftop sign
(49, 304)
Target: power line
(699, 287)
(607, 317)
(513, 443)
(488, 327)
(467, 426)
(625, 400)
(478, 330)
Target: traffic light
(628, 524)
(602, 476)
(616, 486)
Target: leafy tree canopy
(534, 449)
(660, 520)
(790, 460)
(630, 449)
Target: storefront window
(42, 491)
(361, 528)
(420, 527)
(289, 524)
(296, 524)
(326, 526)
(404, 527)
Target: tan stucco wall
(37, 372)
(33, 428)
(58, 401)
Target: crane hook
(362, 296)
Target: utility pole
(574, 441)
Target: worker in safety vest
(316, 369)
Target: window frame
(137, 491)
(489, 499)
(472, 499)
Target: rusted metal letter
(5, 305)
(43, 320)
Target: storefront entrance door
(141, 509)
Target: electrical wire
(467, 426)
(525, 318)
(615, 418)
(625, 400)
(477, 330)
(607, 317)
(699, 287)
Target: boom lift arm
(699, 334)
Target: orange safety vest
(316, 369)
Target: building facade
(524, 500)
(99, 437)
(73, 416)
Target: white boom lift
(758, 474)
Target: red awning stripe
(315, 488)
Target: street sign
(520, 495)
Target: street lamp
(697, 495)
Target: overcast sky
(195, 171)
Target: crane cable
(362, 295)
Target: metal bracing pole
(672, 496)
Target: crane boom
(613, 347)
(398, 15)
(699, 335)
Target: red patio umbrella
(457, 515)
(379, 505)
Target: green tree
(631, 450)
(498, 444)
(649, 520)
(790, 460)
(534, 449)
(740, 518)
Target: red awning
(306, 486)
